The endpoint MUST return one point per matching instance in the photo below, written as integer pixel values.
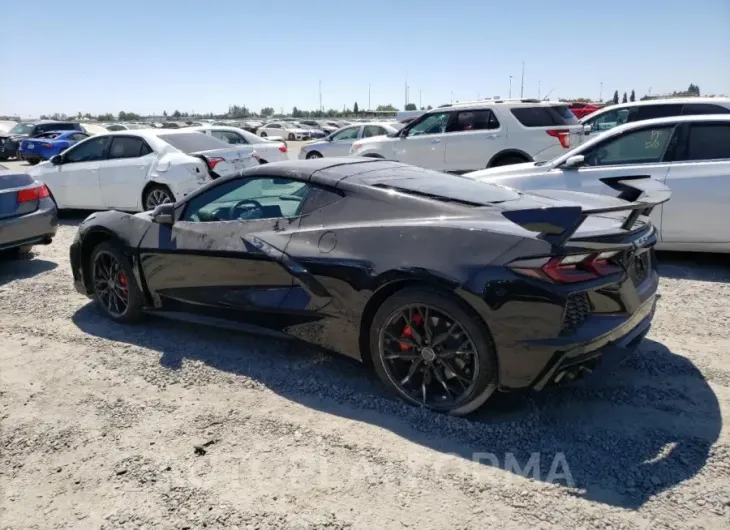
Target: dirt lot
(168, 425)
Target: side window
(429, 124)
(474, 120)
(609, 120)
(373, 130)
(79, 136)
(346, 134)
(545, 116)
(703, 108)
(248, 199)
(274, 126)
(126, 147)
(649, 112)
(90, 151)
(644, 146)
(319, 197)
(229, 137)
(709, 142)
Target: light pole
(419, 99)
(510, 87)
(600, 93)
(538, 89)
(369, 107)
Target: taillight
(32, 194)
(562, 135)
(282, 148)
(213, 161)
(569, 269)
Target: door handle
(435, 141)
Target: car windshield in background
(22, 128)
(193, 142)
(444, 187)
(545, 116)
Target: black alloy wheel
(433, 353)
(113, 284)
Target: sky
(149, 56)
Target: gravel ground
(170, 425)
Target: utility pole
(538, 89)
(510, 87)
(600, 93)
(369, 107)
(522, 83)
(406, 92)
(452, 96)
(419, 99)
(320, 95)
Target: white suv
(480, 134)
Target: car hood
(513, 170)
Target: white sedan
(689, 154)
(283, 129)
(139, 169)
(268, 151)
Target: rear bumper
(597, 346)
(34, 228)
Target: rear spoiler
(557, 225)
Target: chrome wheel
(428, 356)
(156, 197)
(110, 284)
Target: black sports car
(449, 287)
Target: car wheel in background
(114, 285)
(156, 195)
(263, 134)
(34, 161)
(291, 137)
(17, 252)
(433, 351)
(313, 155)
(508, 160)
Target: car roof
(150, 133)
(328, 171)
(669, 101)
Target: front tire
(313, 155)
(263, 134)
(114, 285)
(432, 351)
(156, 195)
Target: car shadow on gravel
(19, 268)
(618, 438)
(695, 266)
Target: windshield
(22, 128)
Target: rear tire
(291, 137)
(17, 252)
(155, 195)
(313, 155)
(508, 160)
(263, 134)
(476, 361)
(33, 161)
(114, 285)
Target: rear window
(545, 116)
(704, 108)
(50, 135)
(443, 187)
(58, 127)
(649, 112)
(193, 142)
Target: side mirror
(56, 160)
(574, 161)
(164, 214)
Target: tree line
(243, 112)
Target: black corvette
(450, 288)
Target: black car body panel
(320, 276)
(27, 222)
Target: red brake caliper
(122, 278)
(407, 333)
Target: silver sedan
(339, 142)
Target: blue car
(48, 144)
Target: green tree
(632, 97)
(386, 108)
(176, 114)
(355, 108)
(693, 90)
(615, 97)
(411, 106)
(164, 113)
(625, 99)
(267, 111)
